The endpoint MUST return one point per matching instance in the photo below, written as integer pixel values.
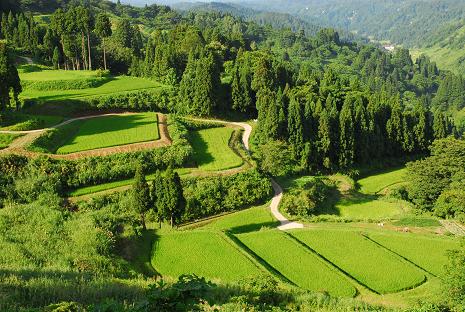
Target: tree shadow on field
(200, 146)
(253, 227)
(110, 124)
(348, 198)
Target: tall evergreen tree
(141, 195)
(103, 30)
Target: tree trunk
(88, 49)
(83, 49)
(142, 219)
(104, 54)
(172, 221)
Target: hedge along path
(19, 145)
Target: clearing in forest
(111, 131)
(212, 151)
(367, 262)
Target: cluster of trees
(163, 198)
(10, 85)
(20, 30)
(437, 183)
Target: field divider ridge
(330, 264)
(402, 258)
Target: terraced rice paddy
(206, 254)
(112, 131)
(429, 253)
(212, 151)
(369, 264)
(378, 182)
(297, 264)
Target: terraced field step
(204, 253)
(301, 267)
(371, 265)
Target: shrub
(210, 196)
(304, 201)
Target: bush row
(214, 195)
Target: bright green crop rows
(361, 206)
(112, 131)
(370, 264)
(206, 254)
(212, 152)
(376, 183)
(429, 253)
(297, 264)
(117, 85)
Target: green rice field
(378, 182)
(110, 131)
(430, 253)
(362, 207)
(212, 152)
(362, 259)
(52, 75)
(298, 265)
(206, 254)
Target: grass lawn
(207, 254)
(248, 220)
(6, 139)
(368, 263)
(112, 131)
(378, 182)
(428, 252)
(116, 85)
(212, 152)
(294, 262)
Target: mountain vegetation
(316, 104)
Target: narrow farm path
(278, 190)
(19, 145)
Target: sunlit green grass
(206, 254)
(294, 262)
(378, 182)
(112, 131)
(368, 263)
(6, 139)
(359, 206)
(211, 149)
(427, 252)
(51, 75)
(23, 122)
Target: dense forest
(322, 104)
